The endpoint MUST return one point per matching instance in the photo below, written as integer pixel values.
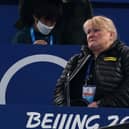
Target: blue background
(117, 10)
(34, 83)
(31, 89)
(14, 116)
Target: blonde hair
(102, 22)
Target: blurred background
(117, 10)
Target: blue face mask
(44, 29)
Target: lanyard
(51, 40)
(88, 69)
(33, 36)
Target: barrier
(50, 117)
(31, 69)
(28, 74)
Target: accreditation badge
(88, 92)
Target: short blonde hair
(102, 22)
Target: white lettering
(33, 116)
(47, 121)
(67, 126)
(78, 122)
(62, 121)
(124, 119)
(56, 121)
(95, 126)
(114, 118)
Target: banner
(28, 75)
(50, 117)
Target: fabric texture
(23, 36)
(111, 75)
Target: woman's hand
(40, 42)
(93, 104)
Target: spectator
(99, 75)
(68, 28)
(37, 21)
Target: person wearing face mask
(38, 19)
(99, 75)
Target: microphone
(67, 87)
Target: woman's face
(99, 39)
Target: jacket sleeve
(120, 97)
(59, 92)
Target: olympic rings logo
(22, 63)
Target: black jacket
(23, 36)
(111, 73)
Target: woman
(99, 75)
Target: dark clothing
(69, 29)
(110, 72)
(24, 36)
